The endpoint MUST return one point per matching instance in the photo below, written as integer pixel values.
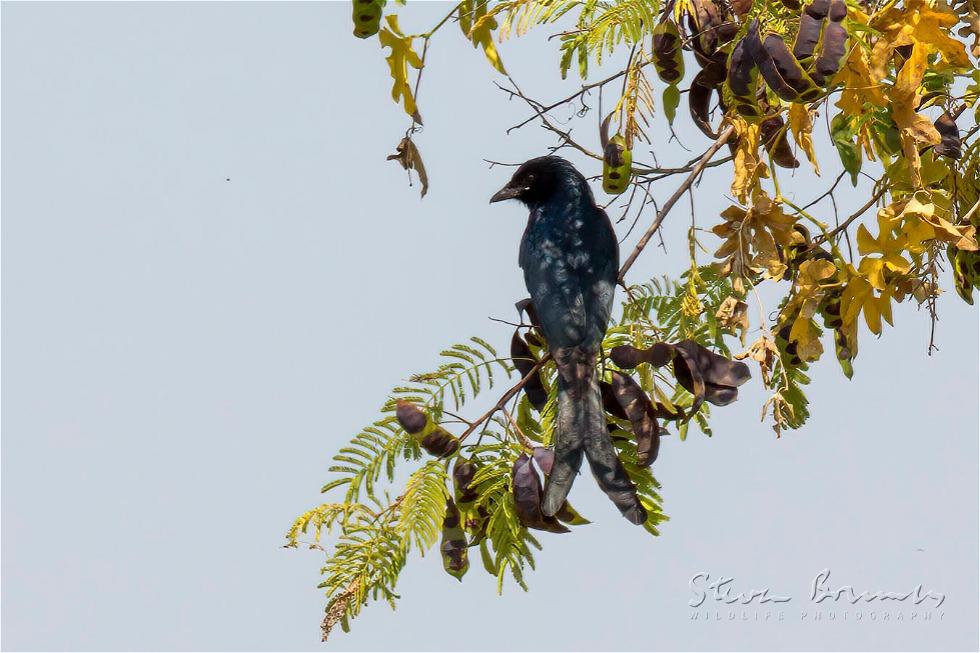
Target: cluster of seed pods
(708, 376)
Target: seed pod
(411, 417)
(367, 17)
(818, 9)
(787, 347)
(463, 490)
(715, 368)
(704, 22)
(790, 69)
(794, 253)
(527, 306)
(830, 309)
(808, 36)
(617, 165)
(743, 80)
(544, 458)
(699, 102)
(950, 133)
(526, 488)
(773, 134)
(440, 442)
(668, 58)
(455, 559)
(831, 52)
(719, 376)
(433, 438)
(640, 411)
(610, 404)
(845, 351)
(525, 361)
(837, 11)
(767, 67)
(627, 357)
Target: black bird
(570, 259)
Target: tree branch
(669, 204)
(507, 396)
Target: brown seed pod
(434, 439)
(704, 22)
(628, 357)
(689, 376)
(743, 79)
(526, 487)
(837, 10)
(410, 416)
(524, 360)
(727, 31)
(767, 67)
(808, 36)
(439, 442)
(831, 52)
(610, 404)
(544, 458)
(818, 9)
(639, 409)
(950, 133)
(699, 103)
(773, 133)
(527, 306)
(789, 68)
(721, 376)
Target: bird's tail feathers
(581, 428)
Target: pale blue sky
(183, 354)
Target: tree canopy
(893, 84)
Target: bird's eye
(530, 180)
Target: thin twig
(502, 402)
(669, 204)
(854, 216)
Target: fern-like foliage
(377, 533)
(519, 16)
(604, 25)
(423, 506)
(506, 547)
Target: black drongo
(570, 259)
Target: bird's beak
(506, 193)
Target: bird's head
(539, 179)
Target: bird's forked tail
(581, 428)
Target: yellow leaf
(481, 32)
(801, 124)
(399, 59)
(748, 168)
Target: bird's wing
(598, 278)
(557, 294)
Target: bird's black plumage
(570, 259)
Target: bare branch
(669, 204)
